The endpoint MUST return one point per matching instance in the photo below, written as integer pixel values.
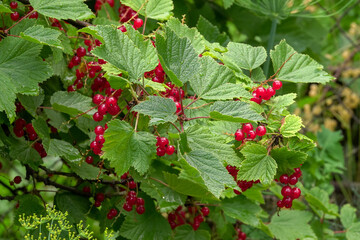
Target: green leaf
(126, 51)
(216, 82)
(291, 125)
(186, 187)
(160, 87)
(347, 215)
(181, 30)
(125, 148)
(242, 56)
(160, 110)
(64, 149)
(202, 138)
(242, 209)
(4, 8)
(234, 111)
(213, 173)
(39, 34)
(353, 233)
(31, 103)
(318, 200)
(291, 225)
(210, 31)
(299, 68)
(72, 103)
(156, 9)
(29, 205)
(148, 226)
(283, 100)
(228, 3)
(25, 154)
(42, 130)
(188, 233)
(287, 160)
(258, 165)
(77, 206)
(21, 71)
(173, 50)
(63, 9)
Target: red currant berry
(178, 107)
(140, 201)
(287, 202)
(33, 136)
(81, 52)
(98, 98)
(18, 132)
(260, 92)
(113, 212)
(109, 216)
(131, 200)
(132, 193)
(99, 130)
(132, 185)
(17, 179)
(114, 110)
(14, 16)
(205, 211)
(298, 172)
(247, 127)
(293, 179)
(140, 209)
(160, 151)
(138, 23)
(102, 109)
(239, 135)
(251, 135)
(270, 92)
(20, 123)
(87, 42)
(170, 149)
(89, 159)
(122, 28)
(195, 225)
(199, 218)
(34, 15)
(280, 204)
(284, 179)
(100, 139)
(286, 191)
(296, 192)
(97, 204)
(163, 142)
(241, 236)
(260, 131)
(277, 85)
(98, 117)
(111, 101)
(13, 5)
(86, 189)
(127, 207)
(100, 197)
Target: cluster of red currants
(15, 15)
(112, 213)
(56, 23)
(248, 129)
(262, 93)
(178, 217)
(99, 3)
(157, 74)
(175, 94)
(132, 200)
(242, 184)
(99, 198)
(98, 143)
(289, 194)
(108, 104)
(240, 234)
(164, 147)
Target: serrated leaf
(186, 187)
(258, 165)
(42, 130)
(72, 103)
(4, 8)
(299, 68)
(63, 9)
(291, 125)
(213, 173)
(25, 154)
(58, 120)
(283, 100)
(173, 50)
(126, 51)
(203, 139)
(353, 233)
(228, 3)
(64, 149)
(216, 82)
(289, 225)
(160, 110)
(21, 71)
(188, 233)
(124, 147)
(45, 36)
(242, 56)
(156, 9)
(160, 87)
(242, 209)
(77, 206)
(347, 215)
(181, 30)
(148, 226)
(318, 200)
(31, 103)
(234, 111)
(287, 160)
(210, 32)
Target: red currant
(140, 209)
(14, 16)
(132, 185)
(17, 179)
(98, 98)
(81, 52)
(98, 117)
(89, 159)
(277, 85)
(239, 135)
(140, 201)
(284, 179)
(205, 211)
(170, 150)
(286, 191)
(99, 130)
(100, 197)
(295, 193)
(247, 127)
(160, 151)
(138, 23)
(13, 5)
(260, 131)
(293, 179)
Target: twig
(159, 181)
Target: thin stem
(159, 181)
(7, 30)
(176, 127)
(191, 103)
(270, 45)
(137, 121)
(143, 32)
